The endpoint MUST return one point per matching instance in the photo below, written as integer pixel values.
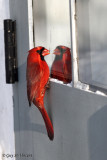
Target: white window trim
(74, 43)
(30, 24)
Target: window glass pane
(92, 41)
(52, 29)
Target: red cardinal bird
(37, 78)
(61, 67)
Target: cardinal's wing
(34, 75)
(67, 67)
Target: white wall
(6, 93)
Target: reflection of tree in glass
(61, 67)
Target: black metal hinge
(10, 51)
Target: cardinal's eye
(38, 51)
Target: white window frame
(75, 68)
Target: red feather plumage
(37, 78)
(61, 67)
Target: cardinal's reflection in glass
(61, 67)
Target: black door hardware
(10, 51)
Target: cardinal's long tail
(48, 123)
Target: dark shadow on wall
(97, 135)
(48, 102)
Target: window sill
(80, 86)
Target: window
(92, 41)
(52, 30)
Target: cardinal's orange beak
(56, 52)
(45, 52)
